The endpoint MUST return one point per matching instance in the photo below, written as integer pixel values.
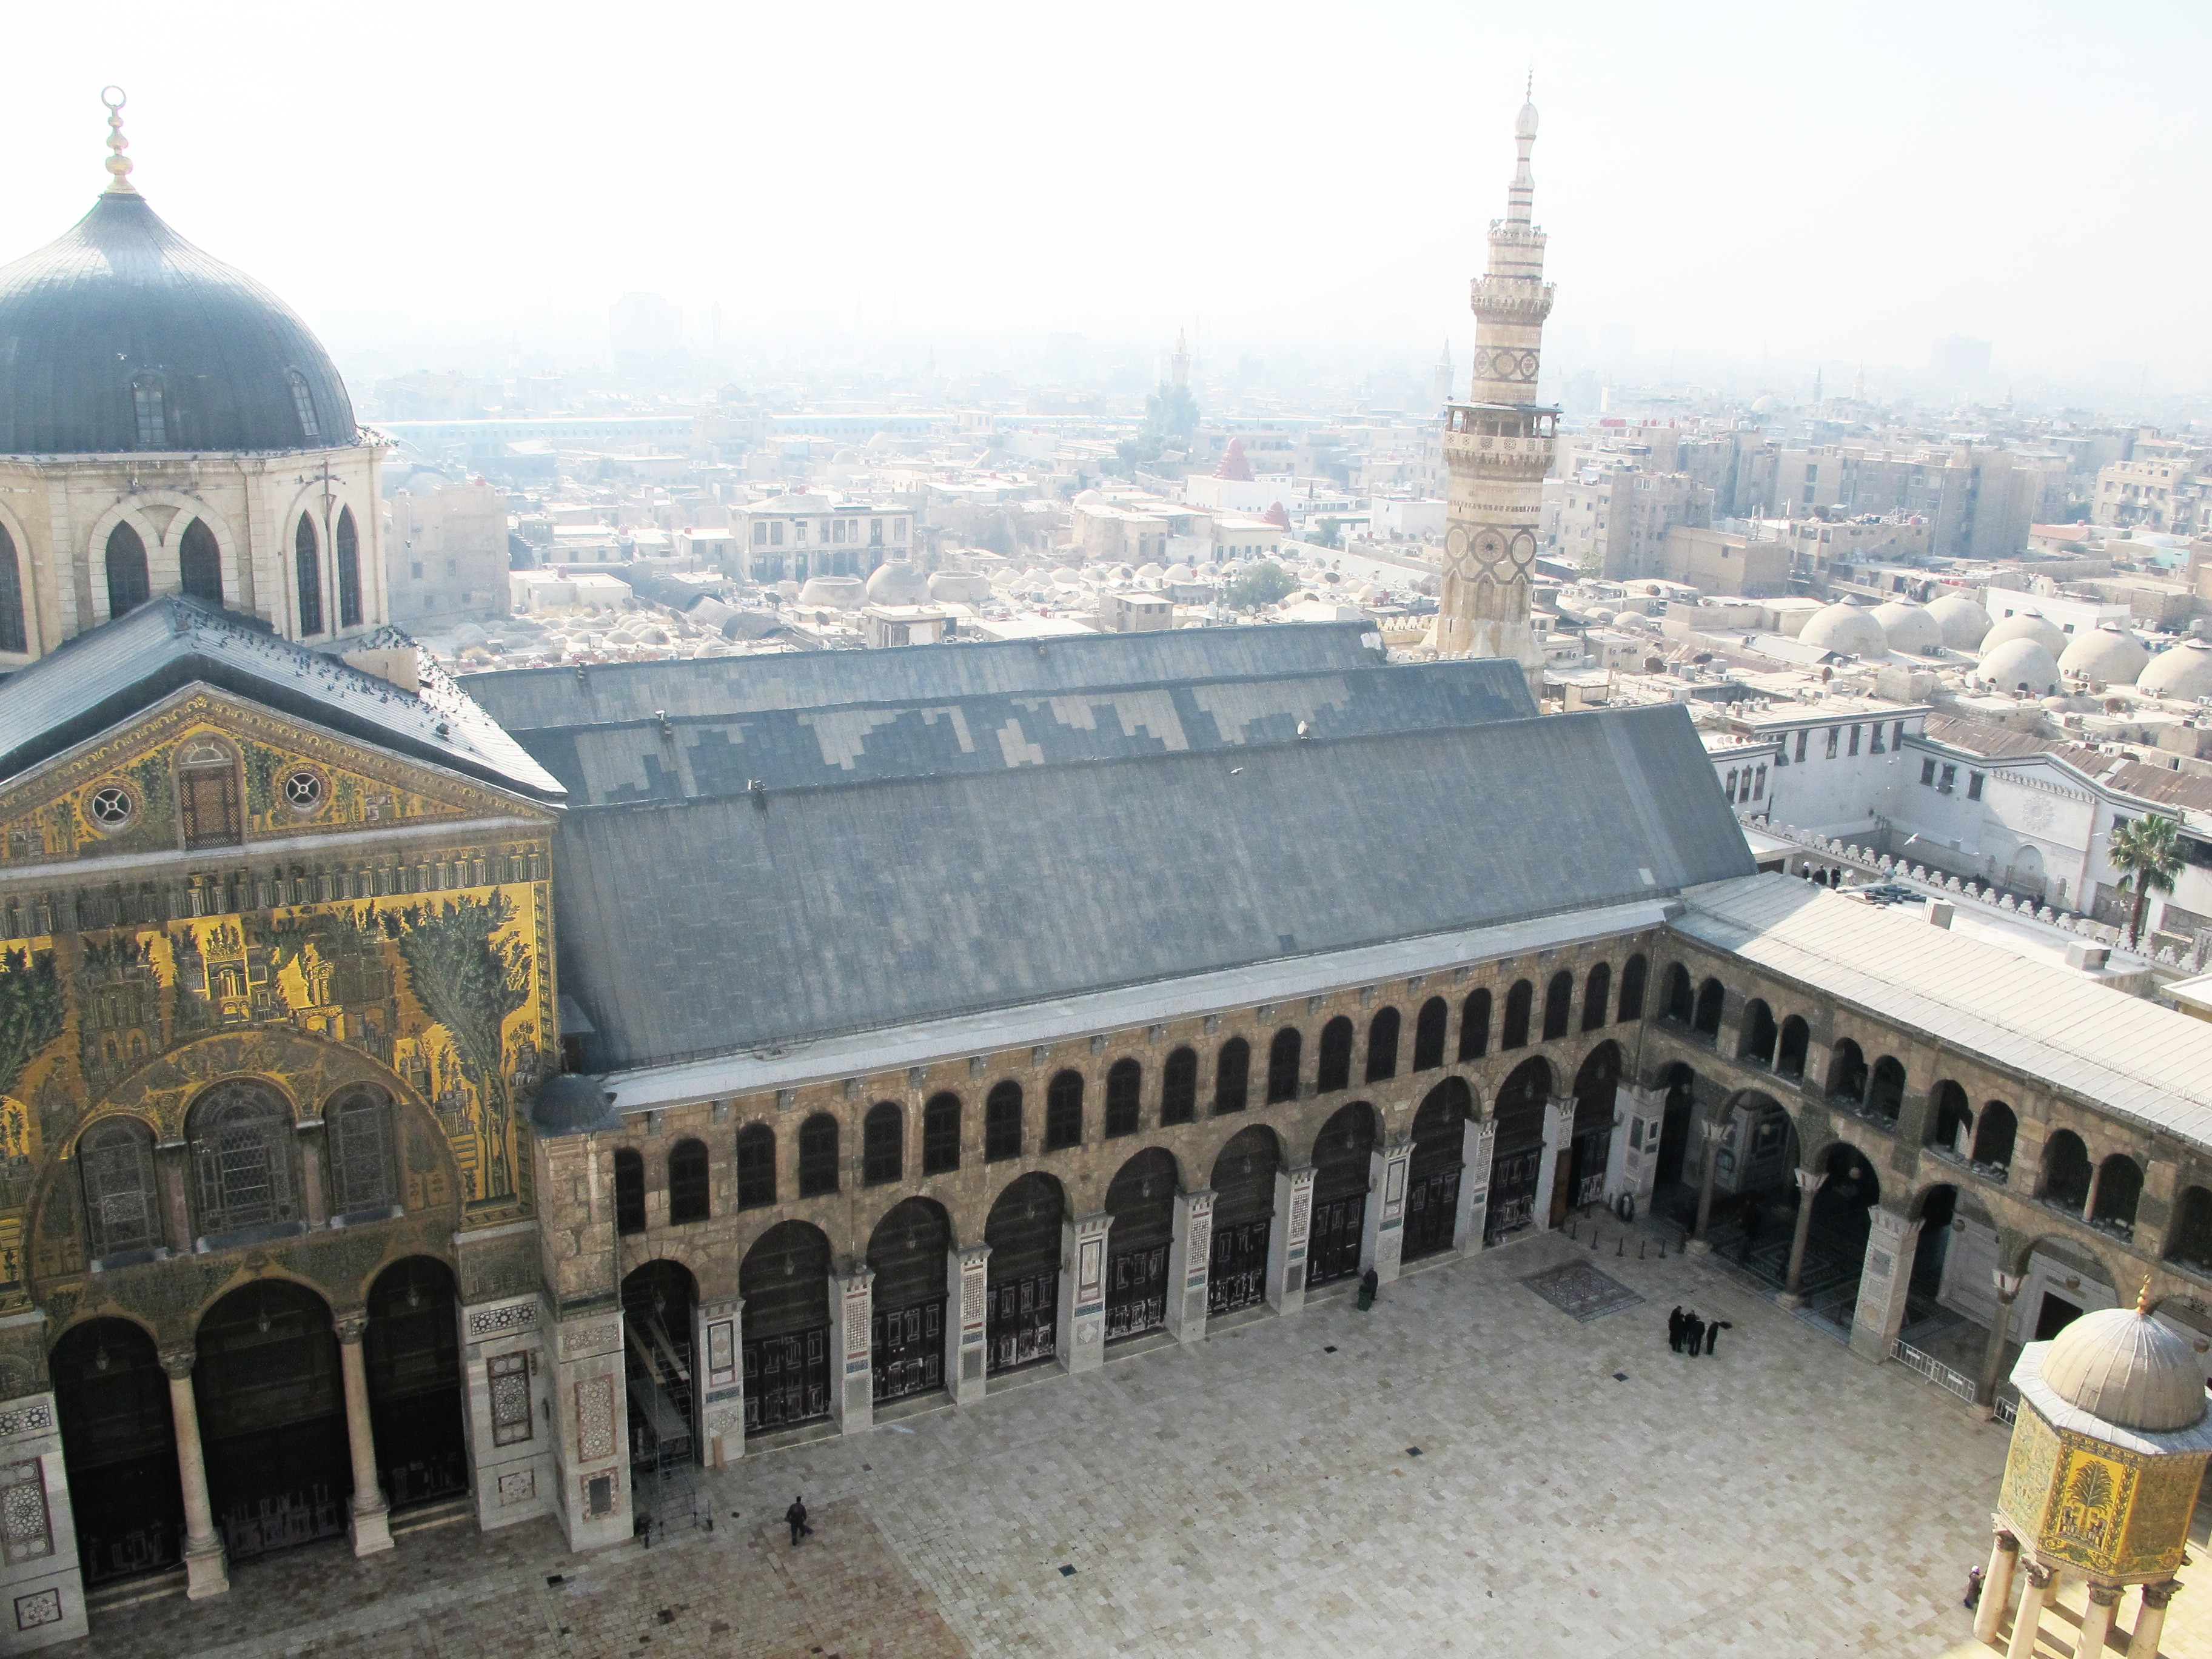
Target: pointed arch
(128, 585)
(14, 635)
(199, 563)
(348, 552)
(307, 567)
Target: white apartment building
(791, 536)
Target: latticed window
(817, 1156)
(690, 1195)
(146, 403)
(349, 552)
(303, 404)
(207, 791)
(116, 1162)
(756, 1166)
(1002, 1122)
(13, 635)
(240, 1135)
(629, 1191)
(940, 1135)
(307, 565)
(364, 1175)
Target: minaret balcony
(1517, 300)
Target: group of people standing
(1687, 1334)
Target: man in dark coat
(1674, 1329)
(796, 1515)
(1713, 1332)
(1693, 1332)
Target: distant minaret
(1440, 388)
(1499, 443)
(1180, 371)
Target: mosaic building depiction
(518, 1099)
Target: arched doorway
(1842, 1218)
(1681, 1106)
(1938, 1210)
(1516, 1161)
(1343, 1165)
(1024, 1233)
(785, 1280)
(1141, 1201)
(119, 1440)
(908, 1251)
(1433, 1179)
(1596, 1082)
(1243, 1211)
(272, 1419)
(412, 1353)
(657, 1301)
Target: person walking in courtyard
(1369, 1282)
(796, 1515)
(1674, 1329)
(1713, 1334)
(1693, 1332)
(1974, 1589)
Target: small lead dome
(1845, 628)
(2182, 671)
(2109, 654)
(896, 581)
(1963, 621)
(2121, 1364)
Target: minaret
(1499, 443)
(1440, 386)
(1180, 371)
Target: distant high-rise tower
(1180, 373)
(1440, 387)
(1499, 443)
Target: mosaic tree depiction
(30, 1010)
(470, 981)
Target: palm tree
(2148, 849)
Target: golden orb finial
(119, 164)
(2143, 1297)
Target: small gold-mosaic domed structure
(2107, 1454)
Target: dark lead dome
(121, 336)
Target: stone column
(1986, 1388)
(2097, 1620)
(2150, 1623)
(1190, 1260)
(1558, 1138)
(370, 1527)
(2028, 1619)
(1883, 1281)
(1997, 1586)
(1081, 1336)
(310, 1131)
(1709, 1172)
(1478, 1145)
(1286, 1239)
(206, 1572)
(1383, 1245)
(967, 1322)
(853, 1387)
(718, 1331)
(1809, 1182)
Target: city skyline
(1276, 182)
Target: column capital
(350, 1327)
(179, 1362)
(2008, 1540)
(2157, 1595)
(974, 1255)
(2007, 1284)
(2038, 1574)
(1810, 1182)
(2105, 1595)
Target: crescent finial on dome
(119, 164)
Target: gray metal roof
(120, 299)
(705, 927)
(2122, 1053)
(130, 664)
(990, 731)
(529, 699)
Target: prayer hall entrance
(119, 1439)
(412, 1354)
(1439, 1152)
(272, 1419)
(1141, 1201)
(657, 1301)
(785, 1280)
(1024, 1233)
(1516, 1164)
(1243, 1211)
(1343, 1169)
(908, 1251)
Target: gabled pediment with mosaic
(206, 771)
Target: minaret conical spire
(119, 164)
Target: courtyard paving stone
(1258, 1495)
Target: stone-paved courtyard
(1259, 1495)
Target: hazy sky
(1834, 181)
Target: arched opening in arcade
(119, 1440)
(1434, 1174)
(1243, 1211)
(658, 1299)
(272, 1419)
(1680, 1084)
(1343, 1168)
(1024, 1232)
(1596, 1082)
(1755, 1189)
(1516, 1160)
(412, 1355)
(1141, 1201)
(1836, 1237)
(910, 1251)
(785, 1280)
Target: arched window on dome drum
(199, 563)
(128, 587)
(1125, 1084)
(940, 1134)
(116, 1162)
(1179, 1087)
(817, 1156)
(1474, 1026)
(691, 1183)
(303, 404)
(1336, 1070)
(13, 635)
(240, 1134)
(148, 405)
(883, 1144)
(756, 1166)
(307, 561)
(348, 546)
